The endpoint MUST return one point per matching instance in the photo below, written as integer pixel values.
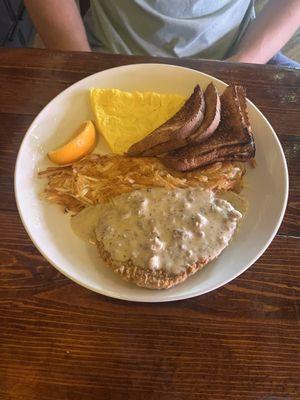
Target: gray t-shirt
(169, 28)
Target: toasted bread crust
(212, 116)
(231, 153)
(232, 140)
(208, 126)
(165, 147)
(147, 278)
(182, 124)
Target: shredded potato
(95, 179)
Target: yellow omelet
(124, 118)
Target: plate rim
(115, 295)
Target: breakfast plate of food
(151, 182)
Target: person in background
(211, 29)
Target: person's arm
(271, 30)
(59, 24)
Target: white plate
(50, 230)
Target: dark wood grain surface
(61, 341)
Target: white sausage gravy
(161, 228)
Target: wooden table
(61, 341)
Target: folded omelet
(124, 118)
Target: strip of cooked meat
(181, 125)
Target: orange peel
(82, 144)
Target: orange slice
(81, 145)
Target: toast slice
(212, 116)
(208, 126)
(181, 125)
(232, 140)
